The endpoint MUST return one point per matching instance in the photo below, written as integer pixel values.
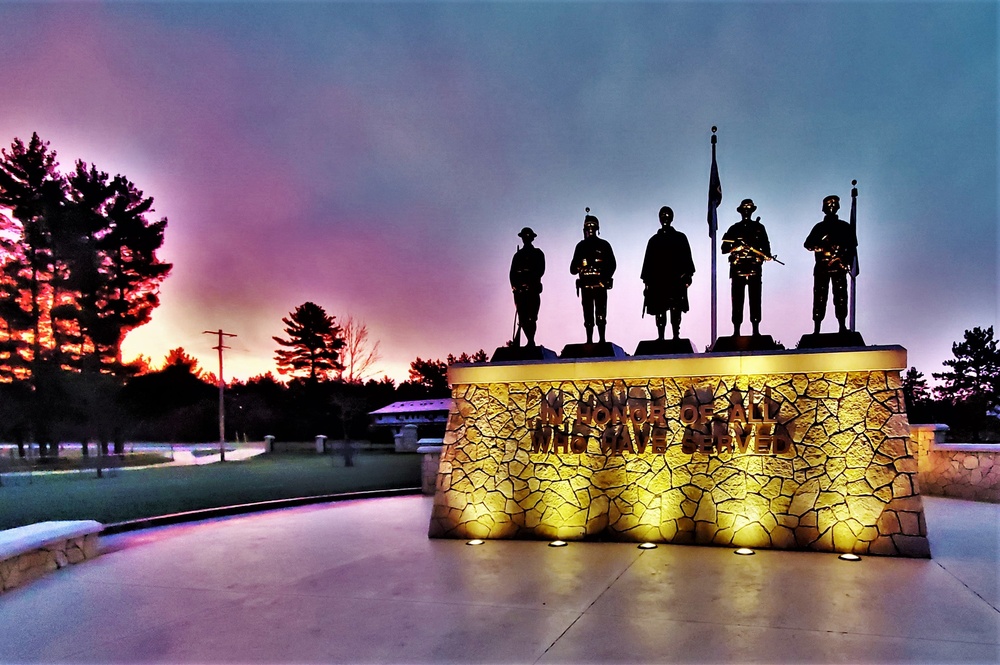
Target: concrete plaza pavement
(360, 582)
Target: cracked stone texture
(965, 474)
(848, 483)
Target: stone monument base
(514, 353)
(664, 347)
(790, 450)
(593, 350)
(837, 340)
(745, 343)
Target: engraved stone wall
(626, 460)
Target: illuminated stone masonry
(783, 450)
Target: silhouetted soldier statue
(666, 271)
(834, 243)
(594, 262)
(526, 270)
(748, 247)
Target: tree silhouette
(973, 381)
(431, 375)
(182, 359)
(313, 345)
(133, 273)
(429, 378)
(78, 265)
(477, 357)
(359, 355)
(174, 403)
(32, 190)
(915, 390)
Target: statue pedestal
(664, 347)
(745, 343)
(837, 340)
(787, 450)
(594, 350)
(515, 353)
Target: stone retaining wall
(961, 470)
(27, 566)
(834, 471)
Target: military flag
(714, 199)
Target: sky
(379, 158)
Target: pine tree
(974, 379)
(915, 390)
(31, 189)
(78, 264)
(32, 196)
(78, 270)
(131, 271)
(313, 344)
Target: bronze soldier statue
(666, 271)
(834, 243)
(526, 270)
(748, 247)
(594, 263)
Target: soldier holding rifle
(526, 270)
(748, 247)
(834, 244)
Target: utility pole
(222, 386)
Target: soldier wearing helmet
(748, 247)
(594, 264)
(834, 244)
(526, 270)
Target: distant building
(429, 415)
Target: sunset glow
(379, 159)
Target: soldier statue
(748, 247)
(594, 263)
(834, 243)
(667, 269)
(526, 270)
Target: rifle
(766, 257)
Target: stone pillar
(268, 444)
(430, 449)
(321, 444)
(406, 440)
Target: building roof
(417, 406)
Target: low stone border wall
(961, 470)
(430, 449)
(29, 552)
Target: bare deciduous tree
(359, 355)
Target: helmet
(746, 203)
(527, 234)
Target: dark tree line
(78, 271)
(318, 395)
(968, 398)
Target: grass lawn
(76, 461)
(135, 493)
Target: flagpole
(713, 224)
(854, 263)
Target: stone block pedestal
(783, 450)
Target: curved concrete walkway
(360, 582)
